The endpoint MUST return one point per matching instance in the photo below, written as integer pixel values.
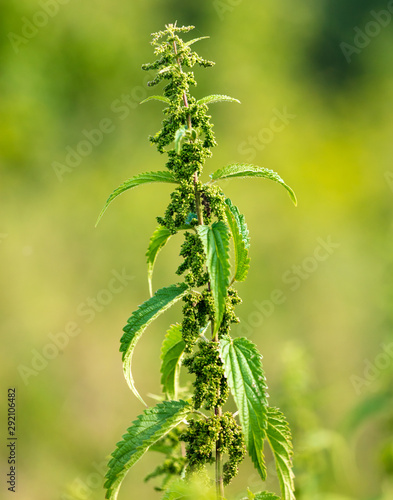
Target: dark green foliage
(211, 388)
(182, 203)
(220, 433)
(194, 261)
(146, 430)
(246, 379)
(197, 310)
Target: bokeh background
(328, 344)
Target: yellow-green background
(336, 153)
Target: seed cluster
(211, 388)
(219, 433)
(186, 137)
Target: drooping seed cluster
(219, 433)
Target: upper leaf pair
(228, 172)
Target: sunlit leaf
(243, 170)
(211, 99)
(280, 440)
(246, 380)
(194, 40)
(146, 430)
(215, 241)
(171, 353)
(156, 98)
(135, 181)
(241, 240)
(140, 320)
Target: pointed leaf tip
(212, 99)
(144, 432)
(137, 180)
(243, 170)
(140, 320)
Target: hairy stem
(219, 475)
(198, 200)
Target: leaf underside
(147, 429)
(157, 241)
(279, 437)
(211, 99)
(242, 170)
(156, 98)
(190, 42)
(246, 380)
(241, 240)
(171, 353)
(266, 495)
(137, 180)
(139, 321)
(215, 241)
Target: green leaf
(135, 181)
(158, 239)
(171, 353)
(262, 495)
(266, 495)
(279, 437)
(215, 241)
(246, 380)
(211, 99)
(140, 320)
(241, 240)
(179, 135)
(244, 170)
(187, 44)
(147, 429)
(156, 98)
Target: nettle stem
(217, 410)
(219, 475)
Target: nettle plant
(194, 433)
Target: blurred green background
(328, 344)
